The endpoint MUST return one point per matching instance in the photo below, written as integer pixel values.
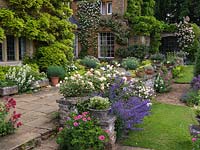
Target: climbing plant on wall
(89, 19)
(44, 21)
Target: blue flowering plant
(196, 83)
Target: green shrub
(130, 63)
(56, 71)
(48, 56)
(177, 71)
(90, 62)
(191, 98)
(138, 51)
(197, 62)
(6, 83)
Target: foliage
(197, 110)
(191, 98)
(165, 129)
(132, 111)
(138, 51)
(162, 82)
(177, 71)
(185, 35)
(99, 103)
(90, 62)
(82, 133)
(47, 56)
(118, 28)
(195, 84)
(130, 63)
(196, 143)
(9, 119)
(89, 19)
(6, 83)
(56, 71)
(157, 56)
(76, 86)
(44, 21)
(197, 62)
(121, 89)
(170, 28)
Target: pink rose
(101, 137)
(88, 118)
(75, 124)
(84, 113)
(194, 139)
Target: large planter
(68, 105)
(100, 114)
(40, 83)
(149, 71)
(4, 91)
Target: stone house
(106, 39)
(12, 49)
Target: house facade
(12, 49)
(107, 44)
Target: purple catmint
(196, 83)
(132, 111)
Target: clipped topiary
(197, 62)
(130, 63)
(56, 71)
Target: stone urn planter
(40, 83)
(100, 114)
(4, 91)
(54, 80)
(68, 105)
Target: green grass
(165, 129)
(187, 75)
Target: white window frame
(109, 13)
(76, 45)
(103, 8)
(99, 46)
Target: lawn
(165, 129)
(187, 75)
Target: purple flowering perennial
(132, 111)
(196, 83)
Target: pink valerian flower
(85, 113)
(194, 139)
(88, 118)
(60, 129)
(75, 124)
(78, 117)
(101, 137)
(84, 119)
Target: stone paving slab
(37, 118)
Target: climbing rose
(75, 124)
(101, 137)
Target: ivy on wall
(118, 27)
(44, 21)
(89, 19)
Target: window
(22, 48)
(106, 45)
(106, 8)
(10, 48)
(1, 58)
(109, 8)
(76, 46)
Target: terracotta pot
(54, 80)
(149, 72)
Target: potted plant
(140, 72)
(99, 107)
(55, 73)
(157, 58)
(149, 70)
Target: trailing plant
(9, 119)
(6, 83)
(99, 103)
(89, 19)
(81, 132)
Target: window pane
(76, 46)
(22, 48)
(10, 48)
(1, 58)
(106, 45)
(103, 8)
(109, 8)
